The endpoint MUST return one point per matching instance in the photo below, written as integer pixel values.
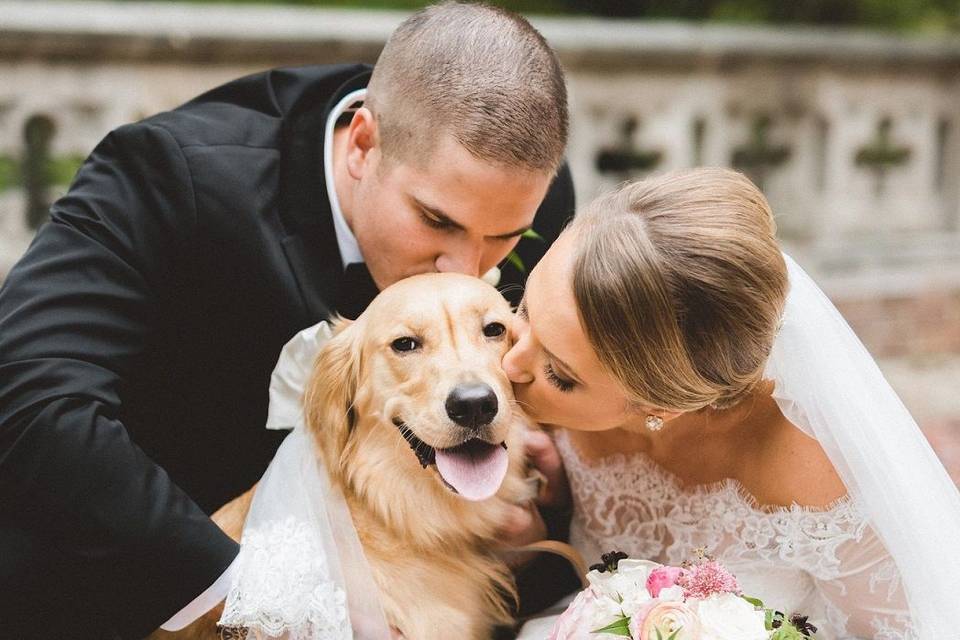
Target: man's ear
(328, 399)
(363, 143)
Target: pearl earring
(654, 423)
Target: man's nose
(516, 362)
(466, 259)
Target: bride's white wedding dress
(879, 564)
(827, 563)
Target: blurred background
(845, 112)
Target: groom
(138, 333)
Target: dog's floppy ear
(328, 399)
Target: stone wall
(855, 137)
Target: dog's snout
(472, 405)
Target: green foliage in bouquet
(789, 632)
(795, 627)
(514, 259)
(619, 627)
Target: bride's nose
(516, 360)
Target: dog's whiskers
(510, 288)
(424, 452)
(520, 403)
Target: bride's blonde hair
(680, 286)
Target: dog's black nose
(472, 405)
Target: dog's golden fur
(432, 552)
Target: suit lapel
(310, 242)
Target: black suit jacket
(137, 337)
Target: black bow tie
(356, 290)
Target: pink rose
(668, 617)
(662, 578)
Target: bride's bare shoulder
(796, 469)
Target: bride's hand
(524, 524)
(543, 455)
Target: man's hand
(524, 524)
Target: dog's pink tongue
(474, 469)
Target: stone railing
(853, 136)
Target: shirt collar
(346, 241)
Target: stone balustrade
(854, 136)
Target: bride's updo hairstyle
(680, 286)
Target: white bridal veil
(301, 572)
(829, 386)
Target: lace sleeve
(866, 598)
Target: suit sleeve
(75, 313)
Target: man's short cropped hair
(479, 73)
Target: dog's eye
(401, 345)
(494, 330)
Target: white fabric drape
(828, 385)
(301, 571)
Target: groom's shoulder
(253, 110)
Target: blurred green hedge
(898, 15)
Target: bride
(704, 394)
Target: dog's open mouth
(474, 469)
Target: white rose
(492, 277)
(605, 611)
(606, 583)
(628, 583)
(727, 616)
(598, 579)
(671, 594)
(636, 570)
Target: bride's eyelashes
(561, 384)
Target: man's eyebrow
(445, 219)
(515, 233)
(436, 213)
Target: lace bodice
(825, 563)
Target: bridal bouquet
(648, 601)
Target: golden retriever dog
(416, 423)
